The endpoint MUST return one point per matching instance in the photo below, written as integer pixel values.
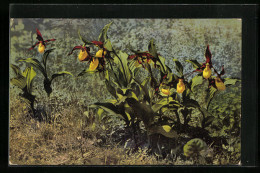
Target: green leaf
(45, 57)
(108, 45)
(30, 74)
(142, 111)
(144, 89)
(194, 147)
(178, 67)
(111, 109)
(100, 112)
(20, 79)
(62, 73)
(164, 130)
(195, 63)
(19, 82)
(191, 103)
(17, 70)
(120, 58)
(166, 101)
(83, 39)
(152, 48)
(110, 88)
(103, 35)
(161, 64)
(36, 64)
(85, 71)
(197, 80)
(229, 81)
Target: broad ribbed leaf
(166, 101)
(212, 92)
(29, 78)
(178, 67)
(197, 80)
(45, 57)
(16, 69)
(120, 58)
(62, 73)
(195, 63)
(19, 82)
(36, 64)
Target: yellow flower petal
(41, 48)
(100, 52)
(82, 55)
(165, 91)
(180, 87)
(93, 65)
(207, 72)
(219, 84)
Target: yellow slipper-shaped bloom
(207, 72)
(82, 55)
(100, 53)
(41, 48)
(219, 84)
(165, 91)
(94, 64)
(180, 86)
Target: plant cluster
(154, 101)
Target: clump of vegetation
(156, 114)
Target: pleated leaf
(36, 64)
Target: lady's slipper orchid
(180, 86)
(93, 64)
(101, 53)
(207, 71)
(84, 54)
(218, 82)
(41, 42)
(206, 67)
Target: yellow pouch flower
(180, 86)
(219, 84)
(94, 64)
(100, 52)
(41, 48)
